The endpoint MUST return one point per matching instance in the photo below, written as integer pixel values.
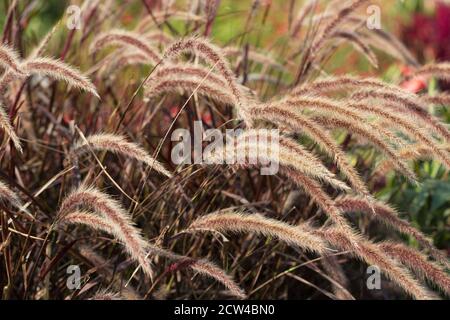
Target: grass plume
(118, 144)
(372, 255)
(255, 223)
(389, 216)
(128, 39)
(59, 70)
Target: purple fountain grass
(299, 236)
(9, 59)
(389, 216)
(372, 255)
(128, 39)
(60, 71)
(419, 264)
(118, 144)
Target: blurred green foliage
(427, 203)
(45, 14)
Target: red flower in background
(443, 32)
(428, 37)
(414, 85)
(430, 33)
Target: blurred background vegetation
(423, 25)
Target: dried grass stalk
(372, 255)
(126, 39)
(305, 10)
(298, 123)
(40, 48)
(390, 217)
(412, 152)
(438, 99)
(5, 123)
(9, 59)
(437, 70)
(388, 43)
(202, 266)
(159, 17)
(264, 59)
(59, 71)
(103, 267)
(6, 194)
(340, 281)
(408, 104)
(106, 295)
(207, 268)
(334, 24)
(336, 109)
(183, 70)
(309, 163)
(419, 264)
(89, 219)
(322, 199)
(337, 83)
(366, 133)
(6, 79)
(211, 54)
(118, 144)
(122, 59)
(255, 223)
(407, 126)
(113, 219)
(359, 44)
(159, 37)
(188, 85)
(256, 147)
